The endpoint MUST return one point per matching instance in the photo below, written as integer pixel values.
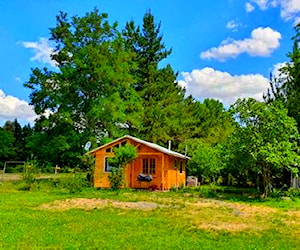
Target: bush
(88, 166)
(48, 168)
(74, 183)
(293, 193)
(30, 171)
(122, 157)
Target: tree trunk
(266, 179)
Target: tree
(208, 121)
(162, 97)
(19, 134)
(206, 162)
(91, 93)
(286, 86)
(6, 145)
(122, 156)
(266, 141)
(56, 145)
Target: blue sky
(222, 49)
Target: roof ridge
(147, 143)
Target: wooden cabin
(165, 167)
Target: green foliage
(14, 169)
(161, 96)
(94, 89)
(74, 183)
(29, 174)
(207, 121)
(59, 145)
(6, 145)
(122, 156)
(88, 166)
(18, 151)
(110, 82)
(286, 86)
(264, 144)
(206, 162)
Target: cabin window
(145, 166)
(178, 165)
(123, 143)
(107, 167)
(116, 146)
(152, 166)
(108, 150)
(148, 166)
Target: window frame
(181, 166)
(106, 165)
(149, 165)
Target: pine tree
(162, 98)
(286, 86)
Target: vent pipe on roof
(169, 145)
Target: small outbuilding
(155, 167)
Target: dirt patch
(228, 226)
(292, 219)
(208, 215)
(215, 215)
(90, 204)
(243, 210)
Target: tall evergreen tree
(161, 96)
(286, 86)
(6, 145)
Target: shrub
(123, 156)
(293, 193)
(30, 170)
(74, 183)
(88, 165)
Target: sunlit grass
(186, 221)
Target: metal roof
(149, 144)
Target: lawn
(53, 218)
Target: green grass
(191, 222)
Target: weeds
(73, 183)
(30, 171)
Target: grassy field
(53, 218)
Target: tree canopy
(264, 143)
(110, 81)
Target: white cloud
(289, 9)
(233, 25)
(263, 4)
(13, 108)
(42, 50)
(249, 7)
(263, 42)
(211, 83)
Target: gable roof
(149, 144)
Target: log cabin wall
(176, 172)
(163, 168)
